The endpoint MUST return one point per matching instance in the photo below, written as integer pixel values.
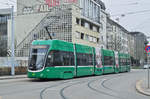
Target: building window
(97, 40)
(94, 28)
(87, 25)
(90, 10)
(87, 37)
(82, 36)
(78, 34)
(82, 23)
(90, 38)
(77, 20)
(102, 38)
(91, 26)
(97, 29)
(107, 37)
(94, 39)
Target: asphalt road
(113, 86)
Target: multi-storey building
(77, 21)
(131, 47)
(117, 36)
(4, 16)
(140, 41)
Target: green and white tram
(64, 60)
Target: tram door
(116, 62)
(98, 66)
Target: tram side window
(128, 61)
(90, 59)
(68, 58)
(108, 60)
(60, 58)
(84, 59)
(123, 61)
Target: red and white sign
(147, 48)
(52, 3)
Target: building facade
(77, 21)
(140, 41)
(131, 44)
(5, 14)
(117, 37)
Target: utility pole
(12, 42)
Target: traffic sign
(147, 48)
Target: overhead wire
(129, 13)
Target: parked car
(146, 66)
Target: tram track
(106, 80)
(103, 84)
(89, 84)
(42, 92)
(61, 92)
(63, 89)
(102, 92)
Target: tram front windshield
(37, 57)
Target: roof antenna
(48, 32)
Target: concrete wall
(19, 61)
(23, 26)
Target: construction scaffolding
(57, 22)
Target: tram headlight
(47, 70)
(41, 75)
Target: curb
(13, 77)
(140, 89)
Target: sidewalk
(141, 87)
(13, 77)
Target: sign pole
(147, 49)
(148, 68)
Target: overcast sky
(137, 20)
